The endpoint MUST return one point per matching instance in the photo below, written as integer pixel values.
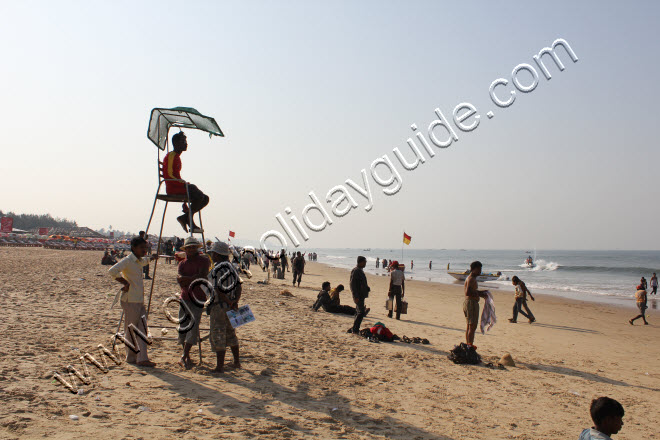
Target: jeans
(518, 306)
(342, 309)
(360, 313)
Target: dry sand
(303, 376)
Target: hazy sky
(310, 93)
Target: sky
(308, 94)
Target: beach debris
(144, 408)
(200, 411)
(507, 360)
(97, 398)
(575, 392)
(277, 303)
(285, 292)
(74, 417)
(86, 413)
(163, 331)
(334, 409)
(81, 392)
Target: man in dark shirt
(192, 301)
(298, 264)
(360, 290)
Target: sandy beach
(303, 376)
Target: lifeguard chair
(162, 119)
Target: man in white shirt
(397, 289)
(128, 272)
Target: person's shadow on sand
(334, 405)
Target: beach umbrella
(185, 117)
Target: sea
(600, 276)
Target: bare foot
(146, 364)
(219, 370)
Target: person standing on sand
(521, 301)
(607, 415)
(284, 262)
(397, 289)
(145, 269)
(128, 272)
(640, 296)
(360, 290)
(195, 266)
(377, 262)
(471, 302)
(431, 265)
(411, 265)
(654, 284)
(227, 292)
(384, 263)
(298, 265)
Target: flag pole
(404, 233)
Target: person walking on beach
(191, 302)
(360, 290)
(384, 263)
(607, 415)
(298, 265)
(284, 262)
(471, 302)
(397, 289)
(377, 262)
(640, 296)
(128, 272)
(654, 284)
(171, 168)
(411, 265)
(431, 265)
(521, 301)
(227, 292)
(643, 283)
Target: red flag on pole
(231, 234)
(406, 238)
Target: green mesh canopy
(163, 118)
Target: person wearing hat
(397, 289)
(226, 294)
(191, 303)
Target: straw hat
(191, 242)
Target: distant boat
(367, 250)
(461, 276)
(529, 262)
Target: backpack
(462, 354)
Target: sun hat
(220, 248)
(191, 241)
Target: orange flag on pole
(406, 238)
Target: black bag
(462, 354)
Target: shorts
(471, 311)
(642, 307)
(222, 334)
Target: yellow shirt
(130, 268)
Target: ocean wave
(542, 265)
(336, 257)
(636, 270)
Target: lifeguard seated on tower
(171, 168)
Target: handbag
(389, 304)
(404, 307)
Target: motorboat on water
(529, 262)
(461, 276)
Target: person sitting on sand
(471, 303)
(521, 301)
(227, 293)
(640, 296)
(108, 260)
(195, 266)
(334, 294)
(607, 415)
(129, 273)
(324, 299)
(171, 168)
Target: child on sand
(129, 273)
(607, 415)
(227, 292)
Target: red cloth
(171, 168)
(383, 331)
(198, 267)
